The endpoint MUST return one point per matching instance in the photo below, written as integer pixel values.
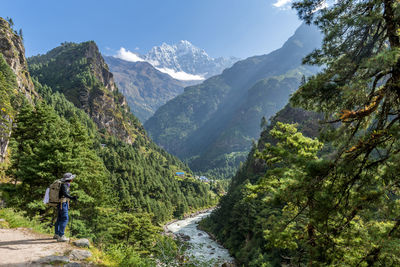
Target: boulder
(80, 254)
(82, 243)
(53, 259)
(184, 237)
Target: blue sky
(240, 28)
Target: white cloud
(128, 55)
(282, 4)
(181, 75)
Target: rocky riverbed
(202, 246)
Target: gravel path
(21, 247)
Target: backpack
(52, 196)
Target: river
(202, 247)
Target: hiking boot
(62, 239)
(56, 236)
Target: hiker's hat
(68, 176)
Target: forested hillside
(79, 122)
(305, 198)
(212, 125)
(246, 241)
(138, 170)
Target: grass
(15, 219)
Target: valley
(286, 154)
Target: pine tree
(352, 216)
(43, 152)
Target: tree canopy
(335, 204)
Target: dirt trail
(21, 247)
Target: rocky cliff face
(81, 74)
(15, 79)
(13, 50)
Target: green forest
(322, 189)
(126, 190)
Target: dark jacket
(64, 192)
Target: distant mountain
(212, 125)
(145, 88)
(182, 61)
(185, 57)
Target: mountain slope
(144, 87)
(211, 125)
(142, 174)
(126, 184)
(79, 72)
(246, 242)
(14, 81)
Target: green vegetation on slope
(303, 205)
(125, 183)
(8, 103)
(246, 242)
(142, 173)
(211, 126)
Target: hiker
(62, 208)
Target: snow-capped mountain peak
(182, 61)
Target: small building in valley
(180, 174)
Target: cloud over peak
(128, 55)
(181, 75)
(282, 4)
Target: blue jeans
(62, 219)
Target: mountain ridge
(182, 61)
(144, 87)
(188, 125)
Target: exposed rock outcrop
(81, 74)
(53, 259)
(13, 50)
(80, 254)
(82, 243)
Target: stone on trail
(80, 254)
(53, 259)
(82, 243)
